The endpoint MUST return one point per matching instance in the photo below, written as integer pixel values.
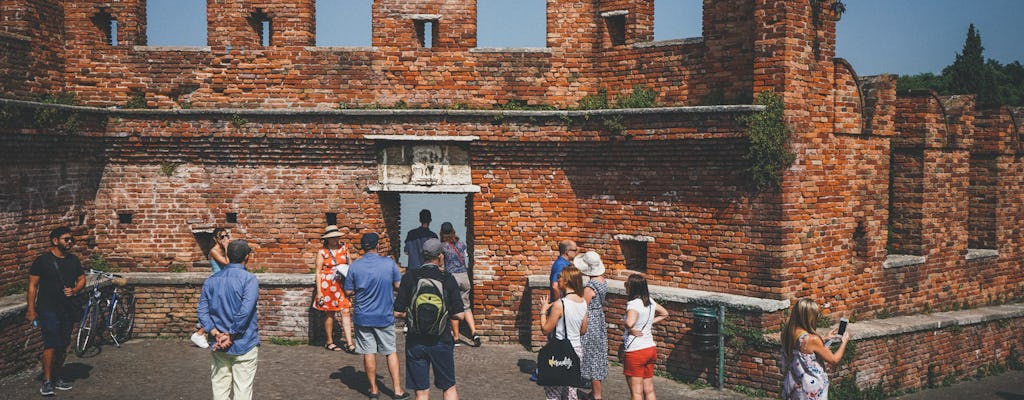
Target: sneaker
(403, 396)
(476, 340)
(200, 341)
(59, 384)
(458, 344)
(47, 389)
(533, 376)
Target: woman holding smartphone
(803, 351)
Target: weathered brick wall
(31, 48)
(237, 71)
(48, 178)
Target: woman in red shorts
(641, 351)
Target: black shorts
(56, 328)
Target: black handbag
(557, 362)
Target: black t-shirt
(54, 275)
(452, 296)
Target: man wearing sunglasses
(54, 279)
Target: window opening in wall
(635, 254)
(124, 217)
(81, 219)
(176, 22)
(261, 23)
(615, 23)
(107, 26)
(331, 218)
(860, 240)
(678, 19)
(443, 208)
(231, 217)
(426, 30)
(503, 23)
(342, 23)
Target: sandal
(350, 348)
(332, 347)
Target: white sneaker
(200, 341)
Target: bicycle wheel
(122, 318)
(86, 328)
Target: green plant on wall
(137, 100)
(770, 153)
(168, 168)
(100, 263)
(237, 121)
(53, 118)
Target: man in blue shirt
(370, 284)
(414, 241)
(566, 251)
(227, 310)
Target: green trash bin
(705, 329)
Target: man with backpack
(429, 299)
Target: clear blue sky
(876, 36)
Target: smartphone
(842, 326)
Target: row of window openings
(426, 30)
(261, 23)
(633, 251)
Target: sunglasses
(222, 237)
(68, 239)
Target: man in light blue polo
(227, 310)
(371, 283)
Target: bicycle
(116, 308)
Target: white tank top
(573, 313)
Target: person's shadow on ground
(526, 366)
(75, 371)
(356, 380)
(1010, 396)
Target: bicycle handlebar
(118, 280)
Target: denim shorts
(370, 340)
(420, 356)
(56, 329)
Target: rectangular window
(124, 217)
(176, 22)
(262, 26)
(231, 217)
(331, 218)
(503, 23)
(678, 19)
(341, 23)
(426, 30)
(615, 25)
(107, 26)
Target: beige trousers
(233, 374)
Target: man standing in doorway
(414, 241)
(227, 310)
(54, 279)
(371, 282)
(434, 345)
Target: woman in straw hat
(332, 265)
(594, 365)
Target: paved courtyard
(174, 369)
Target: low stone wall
(895, 354)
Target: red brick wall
(31, 58)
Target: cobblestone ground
(174, 369)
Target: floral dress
(594, 364)
(329, 286)
(805, 378)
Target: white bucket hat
(589, 264)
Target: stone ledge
(688, 296)
(424, 188)
(902, 260)
(190, 49)
(340, 49)
(974, 254)
(544, 50)
(935, 321)
(670, 42)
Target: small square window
(332, 218)
(231, 217)
(124, 217)
(635, 253)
